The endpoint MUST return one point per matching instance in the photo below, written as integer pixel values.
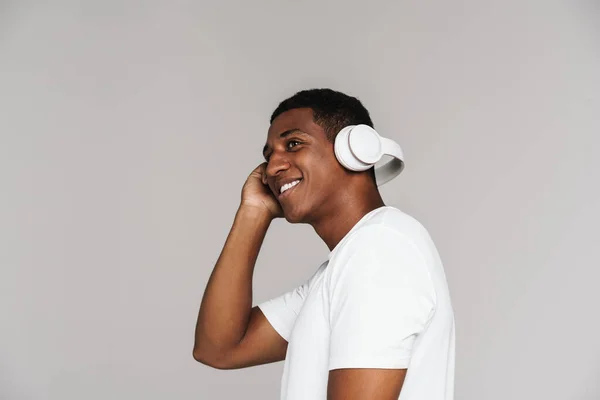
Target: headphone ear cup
(365, 144)
(344, 153)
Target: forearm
(227, 301)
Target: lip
(287, 192)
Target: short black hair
(332, 110)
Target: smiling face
(302, 170)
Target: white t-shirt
(380, 300)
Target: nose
(277, 163)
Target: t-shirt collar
(360, 222)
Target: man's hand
(256, 193)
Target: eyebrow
(281, 136)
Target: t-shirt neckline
(360, 222)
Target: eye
(289, 145)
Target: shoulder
(387, 229)
(390, 242)
(376, 241)
(399, 221)
(378, 260)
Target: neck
(341, 215)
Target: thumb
(263, 174)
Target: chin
(293, 219)
(294, 215)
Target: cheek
(327, 178)
(322, 168)
(325, 160)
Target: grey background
(128, 128)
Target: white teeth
(288, 186)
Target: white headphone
(359, 147)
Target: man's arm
(365, 383)
(229, 332)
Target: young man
(375, 320)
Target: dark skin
(332, 200)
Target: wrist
(254, 212)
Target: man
(375, 320)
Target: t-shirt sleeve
(281, 311)
(381, 298)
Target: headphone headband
(392, 168)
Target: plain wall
(128, 128)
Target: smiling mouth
(288, 191)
